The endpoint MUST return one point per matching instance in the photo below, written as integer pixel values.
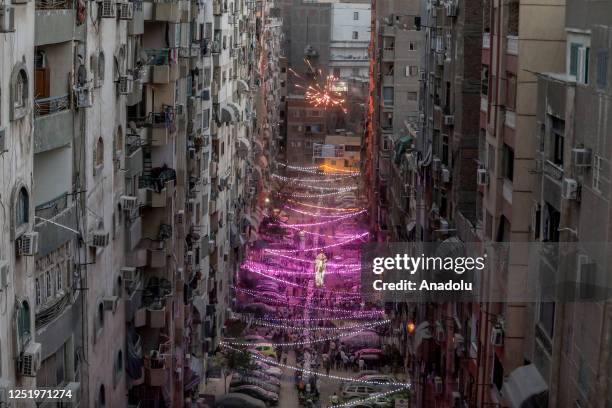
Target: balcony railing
(160, 56)
(52, 207)
(54, 104)
(54, 4)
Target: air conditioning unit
(569, 189)
(422, 75)
(191, 153)
(438, 385)
(435, 164)
(497, 336)
(84, 97)
(7, 19)
(126, 11)
(29, 361)
(110, 303)
(449, 120)
(179, 217)
(446, 175)
(27, 244)
(129, 203)
(581, 157)
(4, 274)
(126, 84)
(482, 176)
(107, 9)
(129, 274)
(99, 239)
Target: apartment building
(395, 69)
(349, 40)
(568, 341)
(519, 40)
(18, 239)
(125, 217)
(340, 151)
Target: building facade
(349, 40)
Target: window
(510, 91)
(356, 15)
(22, 210)
(558, 136)
(355, 35)
(99, 152)
(38, 294)
(484, 80)
(412, 70)
(388, 94)
(602, 68)
(597, 165)
(101, 396)
(119, 140)
(508, 162)
(59, 281)
(411, 96)
(101, 67)
(119, 365)
(21, 90)
(100, 316)
(412, 46)
(49, 285)
(573, 67)
(24, 322)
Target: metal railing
(159, 56)
(53, 104)
(52, 207)
(54, 4)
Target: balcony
(168, 11)
(135, 26)
(133, 156)
(162, 127)
(389, 54)
(156, 257)
(156, 369)
(158, 188)
(388, 80)
(132, 298)
(50, 130)
(163, 69)
(512, 45)
(55, 21)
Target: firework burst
(321, 93)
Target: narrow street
(298, 291)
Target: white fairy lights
(326, 222)
(318, 374)
(321, 248)
(263, 323)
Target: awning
(228, 115)
(243, 147)
(236, 109)
(523, 386)
(410, 226)
(401, 146)
(242, 86)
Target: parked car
(238, 380)
(263, 376)
(358, 390)
(238, 400)
(274, 371)
(266, 349)
(256, 392)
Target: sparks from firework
(321, 93)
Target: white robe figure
(320, 263)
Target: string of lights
(325, 169)
(311, 261)
(320, 207)
(311, 341)
(339, 191)
(316, 234)
(256, 293)
(297, 210)
(352, 403)
(250, 265)
(326, 222)
(320, 248)
(316, 373)
(311, 180)
(317, 328)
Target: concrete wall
(53, 172)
